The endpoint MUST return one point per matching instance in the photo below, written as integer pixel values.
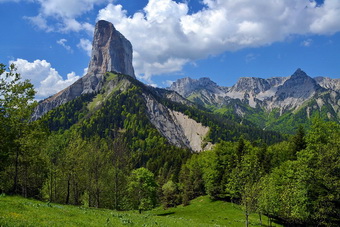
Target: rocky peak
(251, 85)
(295, 91)
(299, 74)
(186, 86)
(111, 51)
(298, 85)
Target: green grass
(18, 211)
(95, 102)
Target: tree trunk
(116, 189)
(97, 195)
(68, 191)
(51, 186)
(24, 188)
(16, 171)
(75, 191)
(55, 185)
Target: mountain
(111, 51)
(268, 103)
(109, 101)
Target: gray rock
(328, 83)
(111, 51)
(176, 127)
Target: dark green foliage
(66, 115)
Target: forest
(76, 156)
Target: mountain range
(192, 114)
(298, 96)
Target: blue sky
(50, 40)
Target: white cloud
(307, 42)
(45, 79)
(65, 12)
(40, 22)
(62, 42)
(165, 36)
(67, 8)
(326, 18)
(86, 45)
(71, 24)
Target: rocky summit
(111, 52)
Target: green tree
(16, 106)
(142, 189)
(322, 160)
(299, 141)
(170, 194)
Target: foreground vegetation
(109, 155)
(18, 211)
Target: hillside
(124, 101)
(202, 212)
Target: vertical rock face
(111, 51)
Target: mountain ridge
(257, 96)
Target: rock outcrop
(328, 83)
(111, 51)
(176, 127)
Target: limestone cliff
(176, 127)
(111, 51)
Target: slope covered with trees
(100, 150)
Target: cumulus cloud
(66, 13)
(45, 79)
(165, 36)
(62, 42)
(86, 45)
(67, 8)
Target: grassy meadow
(18, 211)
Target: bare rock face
(111, 51)
(176, 127)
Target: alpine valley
(263, 146)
